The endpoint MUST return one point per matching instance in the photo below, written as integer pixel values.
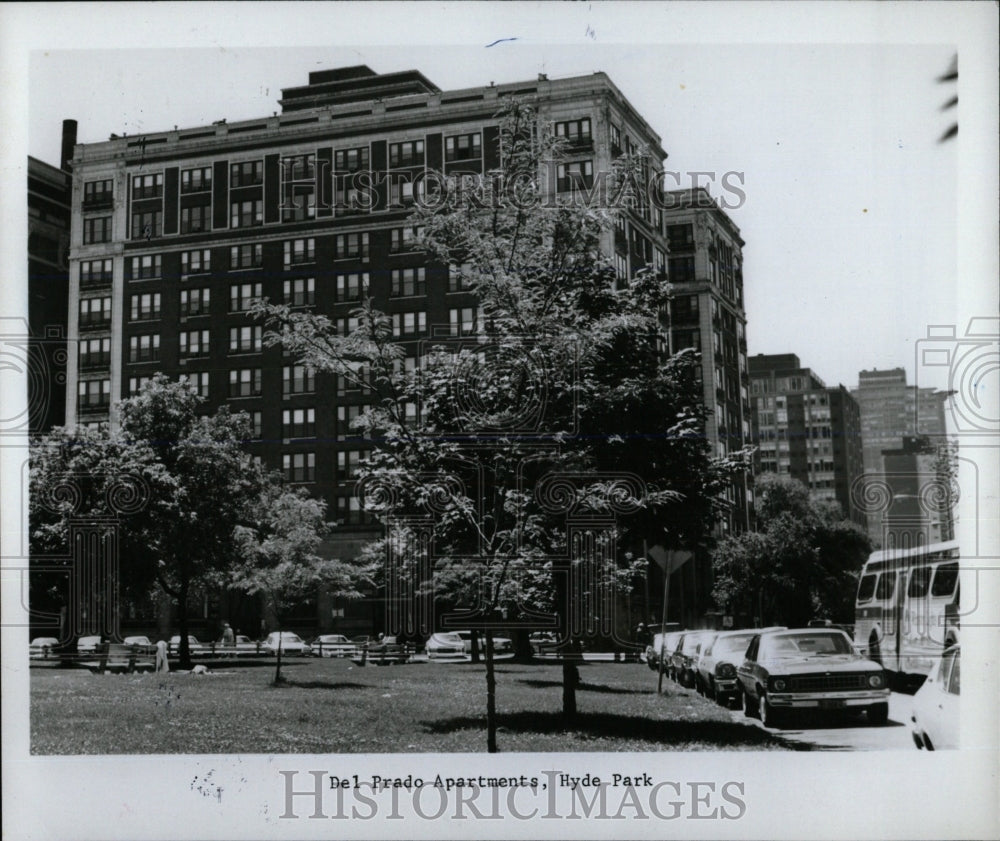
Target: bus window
(920, 580)
(866, 589)
(945, 580)
(886, 586)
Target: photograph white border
(788, 795)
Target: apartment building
(175, 233)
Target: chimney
(68, 142)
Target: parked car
(142, 644)
(445, 646)
(501, 645)
(332, 645)
(382, 651)
(935, 706)
(662, 643)
(41, 648)
(291, 644)
(88, 645)
(810, 668)
(543, 642)
(716, 668)
(196, 648)
(682, 661)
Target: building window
(298, 423)
(463, 321)
(94, 394)
(246, 174)
(346, 417)
(95, 352)
(410, 153)
(352, 246)
(348, 462)
(404, 239)
(621, 267)
(242, 295)
(246, 256)
(196, 262)
(96, 271)
(196, 219)
(299, 467)
(245, 382)
(95, 311)
(346, 326)
(194, 343)
(300, 292)
(351, 160)
(244, 339)
(195, 301)
(299, 251)
(97, 193)
(351, 286)
(409, 323)
(147, 186)
(297, 379)
(147, 225)
(144, 348)
(575, 131)
(460, 277)
(97, 229)
(196, 381)
(147, 266)
(135, 384)
(463, 147)
(680, 269)
(684, 307)
(680, 237)
(246, 214)
(349, 510)
(256, 424)
(145, 307)
(196, 180)
(574, 176)
(410, 281)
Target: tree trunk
(491, 697)
(571, 675)
(277, 664)
(475, 647)
(184, 649)
(522, 646)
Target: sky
(850, 213)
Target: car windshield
(797, 645)
(731, 645)
(691, 643)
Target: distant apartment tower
(705, 267)
(892, 410)
(919, 504)
(49, 196)
(806, 430)
(176, 232)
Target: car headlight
(726, 670)
(875, 681)
(780, 684)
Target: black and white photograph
(500, 420)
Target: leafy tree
(193, 485)
(801, 564)
(554, 403)
(279, 550)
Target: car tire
(748, 705)
(878, 714)
(652, 664)
(874, 650)
(710, 690)
(769, 716)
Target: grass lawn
(333, 706)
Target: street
(849, 733)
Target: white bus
(906, 612)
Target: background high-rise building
(176, 232)
(806, 430)
(903, 423)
